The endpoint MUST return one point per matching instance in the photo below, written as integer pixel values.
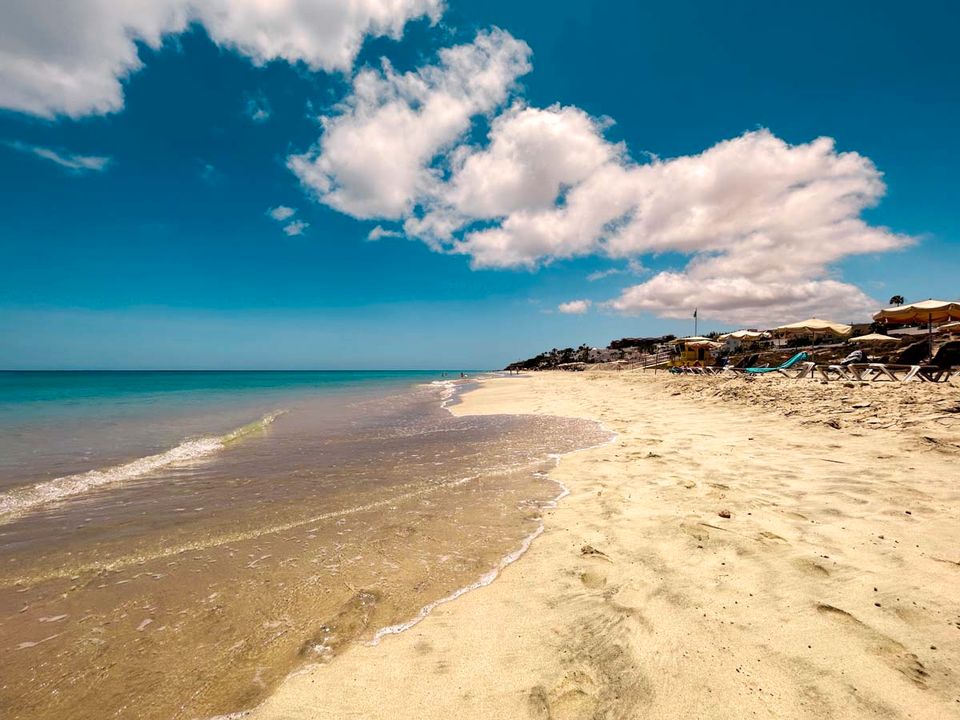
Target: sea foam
(22, 500)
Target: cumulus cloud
(297, 227)
(70, 58)
(376, 156)
(761, 223)
(743, 299)
(281, 212)
(70, 161)
(574, 307)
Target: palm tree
(897, 300)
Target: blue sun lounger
(798, 358)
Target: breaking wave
(20, 501)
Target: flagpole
(695, 322)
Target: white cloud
(297, 227)
(70, 58)
(754, 197)
(380, 232)
(377, 153)
(745, 300)
(281, 212)
(574, 307)
(760, 223)
(70, 161)
(532, 155)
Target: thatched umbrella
(815, 326)
(874, 338)
(925, 312)
(744, 335)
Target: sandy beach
(742, 549)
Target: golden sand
(742, 550)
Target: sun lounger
(747, 361)
(800, 357)
(939, 369)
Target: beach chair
(800, 357)
(908, 358)
(939, 369)
(747, 361)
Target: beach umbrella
(925, 312)
(744, 335)
(701, 343)
(874, 338)
(815, 326)
(950, 327)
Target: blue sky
(141, 238)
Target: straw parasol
(874, 338)
(744, 335)
(925, 312)
(815, 326)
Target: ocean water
(173, 544)
(59, 423)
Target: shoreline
(606, 615)
(415, 505)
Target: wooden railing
(644, 362)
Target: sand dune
(741, 550)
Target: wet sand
(742, 550)
(193, 591)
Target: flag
(695, 313)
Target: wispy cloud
(257, 107)
(209, 173)
(634, 267)
(380, 232)
(601, 274)
(297, 227)
(70, 161)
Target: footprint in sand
(601, 679)
(769, 537)
(593, 579)
(811, 567)
(886, 648)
